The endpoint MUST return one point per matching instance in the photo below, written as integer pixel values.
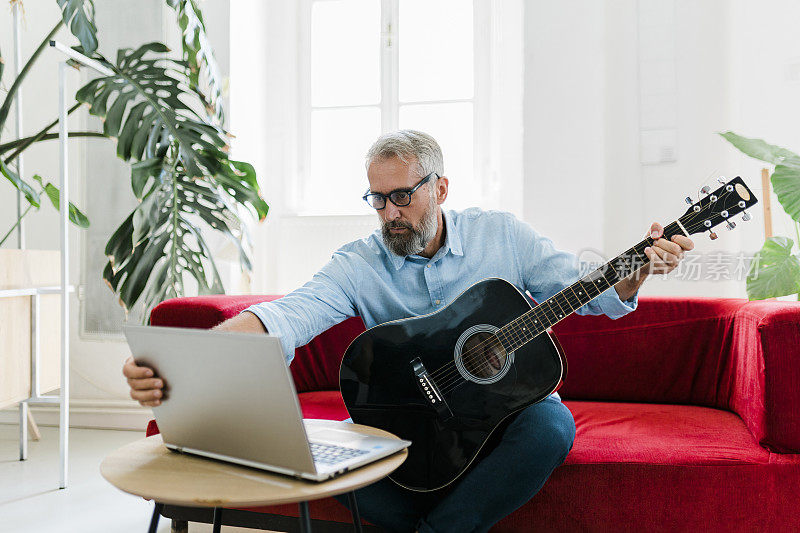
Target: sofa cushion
(648, 467)
(326, 404)
(663, 434)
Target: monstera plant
(775, 270)
(166, 116)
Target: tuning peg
(712, 235)
(721, 179)
(689, 200)
(731, 224)
(746, 216)
(705, 190)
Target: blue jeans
(515, 466)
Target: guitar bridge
(429, 389)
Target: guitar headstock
(718, 206)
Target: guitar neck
(558, 307)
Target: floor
(31, 501)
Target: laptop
(230, 396)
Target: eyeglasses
(399, 197)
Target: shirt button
(427, 266)
(437, 302)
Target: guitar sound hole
(483, 355)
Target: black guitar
(446, 380)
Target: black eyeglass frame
(385, 197)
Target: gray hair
(406, 145)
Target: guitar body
(473, 383)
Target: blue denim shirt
(364, 278)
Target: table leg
(217, 520)
(351, 499)
(305, 518)
(156, 515)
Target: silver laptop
(230, 396)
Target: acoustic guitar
(446, 380)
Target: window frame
(484, 39)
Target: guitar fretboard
(558, 307)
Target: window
(368, 67)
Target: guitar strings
(480, 346)
(447, 381)
(452, 370)
(452, 384)
(447, 372)
(538, 312)
(447, 386)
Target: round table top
(148, 469)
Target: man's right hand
(148, 390)
(144, 387)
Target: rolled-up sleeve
(306, 312)
(545, 271)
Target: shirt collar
(452, 243)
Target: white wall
(637, 194)
(764, 79)
(564, 121)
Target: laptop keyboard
(330, 454)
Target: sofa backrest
(673, 350)
(316, 365)
(670, 350)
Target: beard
(415, 239)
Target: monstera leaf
(786, 184)
(775, 271)
(180, 173)
(758, 149)
(786, 177)
(144, 106)
(204, 74)
(78, 15)
(161, 241)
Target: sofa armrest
(766, 357)
(203, 312)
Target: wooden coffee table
(148, 469)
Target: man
(418, 262)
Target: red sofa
(687, 414)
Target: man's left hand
(664, 256)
